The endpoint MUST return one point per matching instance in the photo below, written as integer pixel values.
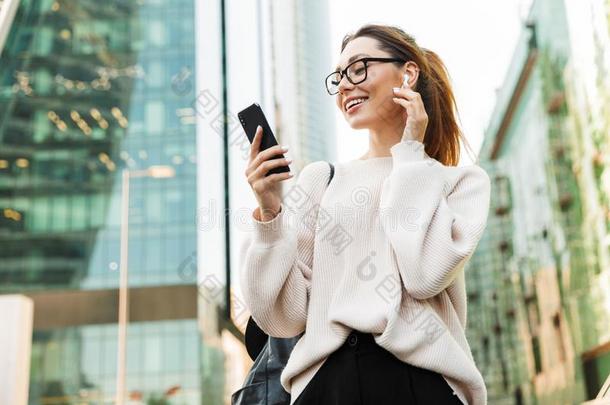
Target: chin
(362, 119)
(357, 126)
(357, 122)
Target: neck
(382, 138)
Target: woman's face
(378, 110)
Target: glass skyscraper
(539, 282)
(89, 89)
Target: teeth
(353, 102)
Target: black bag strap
(332, 173)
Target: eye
(335, 78)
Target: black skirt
(361, 372)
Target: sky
(475, 39)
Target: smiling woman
(381, 298)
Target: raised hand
(266, 188)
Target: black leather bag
(270, 355)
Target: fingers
(256, 156)
(262, 169)
(260, 182)
(256, 142)
(406, 92)
(409, 99)
(268, 154)
(275, 177)
(409, 107)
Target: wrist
(267, 214)
(269, 231)
(408, 150)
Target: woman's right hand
(266, 188)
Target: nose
(343, 84)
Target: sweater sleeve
(433, 215)
(276, 273)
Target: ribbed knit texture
(382, 250)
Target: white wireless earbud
(406, 80)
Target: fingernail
(285, 147)
(395, 89)
(288, 160)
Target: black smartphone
(250, 118)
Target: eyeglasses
(355, 72)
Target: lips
(352, 105)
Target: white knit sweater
(382, 250)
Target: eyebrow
(356, 56)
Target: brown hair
(443, 132)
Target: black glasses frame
(366, 71)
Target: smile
(353, 105)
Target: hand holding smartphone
(266, 159)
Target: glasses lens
(332, 82)
(357, 72)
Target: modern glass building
(89, 89)
(539, 282)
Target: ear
(412, 69)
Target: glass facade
(78, 364)
(539, 282)
(88, 89)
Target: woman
(380, 295)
